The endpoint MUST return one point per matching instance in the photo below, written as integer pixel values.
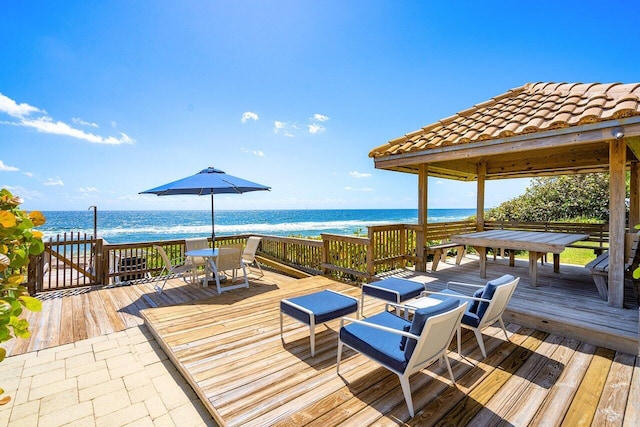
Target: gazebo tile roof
(531, 108)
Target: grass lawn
(576, 256)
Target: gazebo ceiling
(534, 130)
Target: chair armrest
(379, 327)
(461, 296)
(469, 285)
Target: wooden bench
(599, 267)
(440, 253)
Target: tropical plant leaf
(31, 303)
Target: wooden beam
(634, 144)
(617, 214)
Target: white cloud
(356, 174)
(88, 189)
(12, 108)
(315, 128)
(281, 128)
(46, 124)
(53, 182)
(366, 189)
(7, 168)
(81, 122)
(249, 116)
(258, 153)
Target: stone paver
(119, 379)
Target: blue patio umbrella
(208, 181)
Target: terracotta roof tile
(531, 108)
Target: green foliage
(18, 241)
(558, 198)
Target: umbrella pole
(213, 232)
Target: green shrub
(18, 241)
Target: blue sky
(102, 100)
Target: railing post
(403, 245)
(98, 261)
(370, 264)
(324, 254)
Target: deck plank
(585, 402)
(229, 349)
(614, 396)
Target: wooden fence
(73, 261)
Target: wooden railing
(304, 254)
(80, 261)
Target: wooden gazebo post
(423, 192)
(482, 173)
(617, 217)
(634, 196)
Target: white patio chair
(249, 253)
(170, 268)
(401, 346)
(229, 260)
(485, 306)
(195, 261)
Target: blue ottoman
(391, 289)
(316, 308)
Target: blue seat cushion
(421, 316)
(474, 304)
(325, 305)
(468, 318)
(489, 290)
(393, 287)
(381, 346)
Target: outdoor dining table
(211, 270)
(210, 254)
(537, 243)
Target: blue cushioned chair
(401, 346)
(485, 307)
(392, 289)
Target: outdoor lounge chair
(402, 346)
(170, 268)
(249, 253)
(485, 306)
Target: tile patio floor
(119, 379)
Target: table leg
(533, 268)
(482, 253)
(556, 263)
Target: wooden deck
(229, 349)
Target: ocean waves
(142, 226)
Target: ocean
(148, 226)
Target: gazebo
(539, 129)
